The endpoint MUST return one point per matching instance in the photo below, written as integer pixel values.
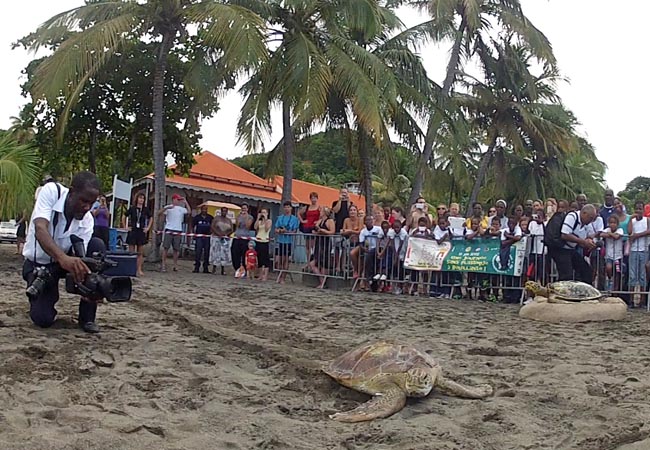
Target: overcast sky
(599, 46)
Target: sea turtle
(390, 372)
(575, 291)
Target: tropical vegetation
(126, 84)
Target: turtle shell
(574, 290)
(370, 360)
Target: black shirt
(201, 224)
(343, 214)
(138, 217)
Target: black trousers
(102, 233)
(571, 265)
(202, 252)
(237, 252)
(42, 310)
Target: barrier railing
(379, 264)
(375, 269)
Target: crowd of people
(596, 243)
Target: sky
(598, 46)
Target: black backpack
(553, 230)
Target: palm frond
(235, 30)
(19, 170)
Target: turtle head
(534, 288)
(418, 383)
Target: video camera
(96, 285)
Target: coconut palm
(402, 94)
(19, 173)
(514, 108)
(465, 21)
(91, 35)
(318, 73)
(22, 128)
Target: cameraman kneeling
(59, 213)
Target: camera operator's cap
(176, 197)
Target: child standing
(397, 252)
(251, 260)
(383, 258)
(638, 228)
(509, 235)
(474, 280)
(421, 231)
(441, 233)
(613, 251)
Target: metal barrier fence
(376, 265)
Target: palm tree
(514, 108)
(22, 128)
(315, 65)
(19, 172)
(465, 21)
(233, 33)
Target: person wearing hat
(175, 215)
(500, 206)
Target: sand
(207, 362)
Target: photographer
(60, 212)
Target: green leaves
(19, 174)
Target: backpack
(553, 230)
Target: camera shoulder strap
(54, 221)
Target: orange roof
(214, 166)
(193, 182)
(213, 173)
(300, 191)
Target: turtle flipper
(458, 390)
(380, 406)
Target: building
(300, 191)
(213, 178)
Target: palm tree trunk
(92, 151)
(482, 171)
(289, 146)
(432, 130)
(366, 170)
(130, 155)
(158, 146)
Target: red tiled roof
(213, 173)
(300, 191)
(230, 188)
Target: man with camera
(60, 213)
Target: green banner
(478, 256)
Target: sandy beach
(200, 361)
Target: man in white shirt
(568, 259)
(369, 239)
(59, 213)
(174, 219)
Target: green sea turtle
(391, 372)
(574, 291)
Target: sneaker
(383, 278)
(398, 291)
(376, 277)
